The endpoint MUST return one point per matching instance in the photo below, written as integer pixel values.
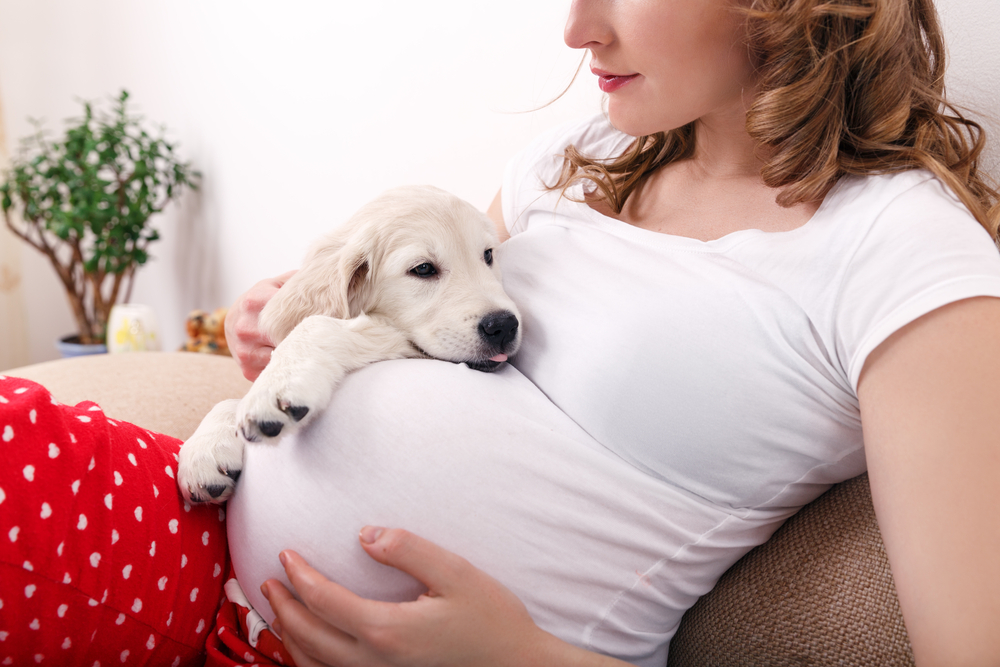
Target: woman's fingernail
(371, 533)
(283, 558)
(264, 591)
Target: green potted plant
(86, 200)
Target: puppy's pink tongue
(499, 357)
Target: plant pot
(70, 346)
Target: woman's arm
(495, 213)
(466, 618)
(929, 400)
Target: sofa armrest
(165, 392)
(818, 593)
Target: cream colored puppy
(409, 275)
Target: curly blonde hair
(846, 87)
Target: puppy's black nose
(498, 328)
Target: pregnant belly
(484, 465)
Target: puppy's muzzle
(499, 329)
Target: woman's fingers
(249, 345)
(436, 568)
(303, 632)
(328, 601)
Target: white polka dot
(92, 602)
(126, 571)
(170, 619)
(138, 514)
(67, 643)
(39, 657)
(29, 590)
(152, 548)
(3, 496)
(29, 473)
(53, 450)
(141, 443)
(33, 416)
(118, 478)
(107, 500)
(114, 536)
(46, 511)
(112, 422)
(170, 472)
(81, 523)
(95, 559)
(3, 638)
(104, 598)
(13, 533)
(20, 390)
(120, 619)
(67, 579)
(72, 438)
(28, 566)
(194, 594)
(75, 486)
(1, 604)
(156, 492)
(61, 611)
(131, 459)
(204, 538)
(94, 408)
(222, 514)
(187, 507)
(162, 583)
(173, 525)
(248, 657)
(92, 462)
(34, 625)
(83, 418)
(124, 655)
(201, 626)
(218, 570)
(184, 560)
(59, 549)
(176, 662)
(137, 605)
(151, 643)
(8, 433)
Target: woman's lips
(609, 82)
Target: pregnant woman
(770, 266)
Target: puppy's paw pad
(270, 429)
(296, 412)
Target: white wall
(298, 113)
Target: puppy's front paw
(211, 460)
(275, 407)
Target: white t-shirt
(673, 402)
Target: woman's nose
(587, 26)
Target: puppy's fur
(410, 275)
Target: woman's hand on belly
(465, 618)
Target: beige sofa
(818, 593)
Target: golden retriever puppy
(411, 274)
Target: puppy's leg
(307, 366)
(210, 461)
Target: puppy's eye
(424, 270)
(488, 256)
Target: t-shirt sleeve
(924, 251)
(531, 173)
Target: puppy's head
(420, 258)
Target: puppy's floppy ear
(328, 283)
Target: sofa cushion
(165, 392)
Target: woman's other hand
(249, 344)
(465, 618)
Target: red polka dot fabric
(101, 560)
